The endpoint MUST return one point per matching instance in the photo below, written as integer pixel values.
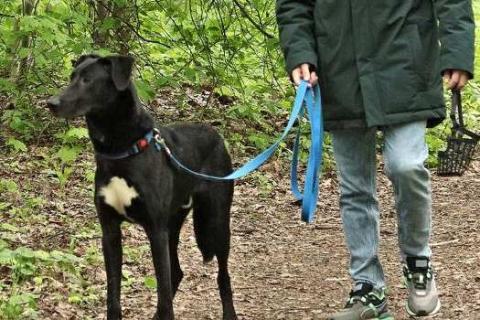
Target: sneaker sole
(422, 313)
(385, 316)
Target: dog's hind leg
(225, 287)
(176, 223)
(211, 218)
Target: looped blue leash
(314, 164)
(312, 99)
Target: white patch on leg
(189, 204)
(118, 194)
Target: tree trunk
(100, 36)
(119, 36)
(125, 14)
(20, 65)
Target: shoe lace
(419, 277)
(366, 299)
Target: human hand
(303, 72)
(455, 79)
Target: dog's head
(95, 84)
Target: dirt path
(284, 269)
(280, 267)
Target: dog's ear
(76, 63)
(121, 69)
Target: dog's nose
(53, 102)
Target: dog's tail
(211, 221)
(203, 234)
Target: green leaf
(9, 227)
(6, 256)
(108, 23)
(90, 176)
(38, 281)
(16, 145)
(75, 298)
(150, 282)
(145, 92)
(77, 133)
(6, 85)
(8, 185)
(67, 154)
(3, 245)
(42, 255)
(25, 252)
(4, 205)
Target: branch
(255, 24)
(135, 31)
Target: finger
(462, 81)
(306, 72)
(453, 81)
(296, 76)
(313, 79)
(446, 76)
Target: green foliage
(16, 145)
(24, 268)
(73, 142)
(19, 122)
(67, 155)
(21, 305)
(145, 92)
(7, 185)
(23, 262)
(73, 135)
(228, 46)
(150, 283)
(26, 265)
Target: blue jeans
(405, 152)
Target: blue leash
(314, 164)
(312, 100)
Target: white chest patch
(118, 194)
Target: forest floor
(281, 268)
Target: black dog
(136, 182)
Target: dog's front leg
(112, 252)
(161, 261)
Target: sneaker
(422, 291)
(364, 303)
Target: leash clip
(160, 142)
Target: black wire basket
(461, 145)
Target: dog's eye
(85, 80)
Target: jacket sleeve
(297, 35)
(457, 34)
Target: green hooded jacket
(379, 62)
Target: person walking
(380, 65)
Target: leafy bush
(229, 46)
